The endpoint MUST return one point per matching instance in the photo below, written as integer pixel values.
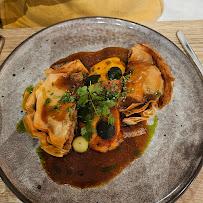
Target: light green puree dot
(152, 129)
(20, 127)
(29, 89)
(39, 153)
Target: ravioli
(150, 84)
(52, 114)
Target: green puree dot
(152, 129)
(39, 153)
(29, 89)
(20, 127)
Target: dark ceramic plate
(174, 156)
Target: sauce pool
(92, 168)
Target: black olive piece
(93, 78)
(105, 130)
(114, 73)
(83, 112)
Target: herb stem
(93, 105)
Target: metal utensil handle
(189, 50)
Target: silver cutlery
(185, 44)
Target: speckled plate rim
(173, 197)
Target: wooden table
(194, 33)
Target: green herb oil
(29, 89)
(152, 129)
(20, 127)
(39, 153)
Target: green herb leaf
(69, 109)
(109, 168)
(109, 103)
(87, 131)
(83, 100)
(105, 111)
(47, 101)
(99, 109)
(96, 88)
(88, 118)
(67, 98)
(111, 119)
(83, 131)
(82, 91)
(96, 97)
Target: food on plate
(80, 144)
(106, 136)
(92, 110)
(51, 111)
(151, 82)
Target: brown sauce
(69, 83)
(92, 168)
(59, 115)
(64, 82)
(89, 59)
